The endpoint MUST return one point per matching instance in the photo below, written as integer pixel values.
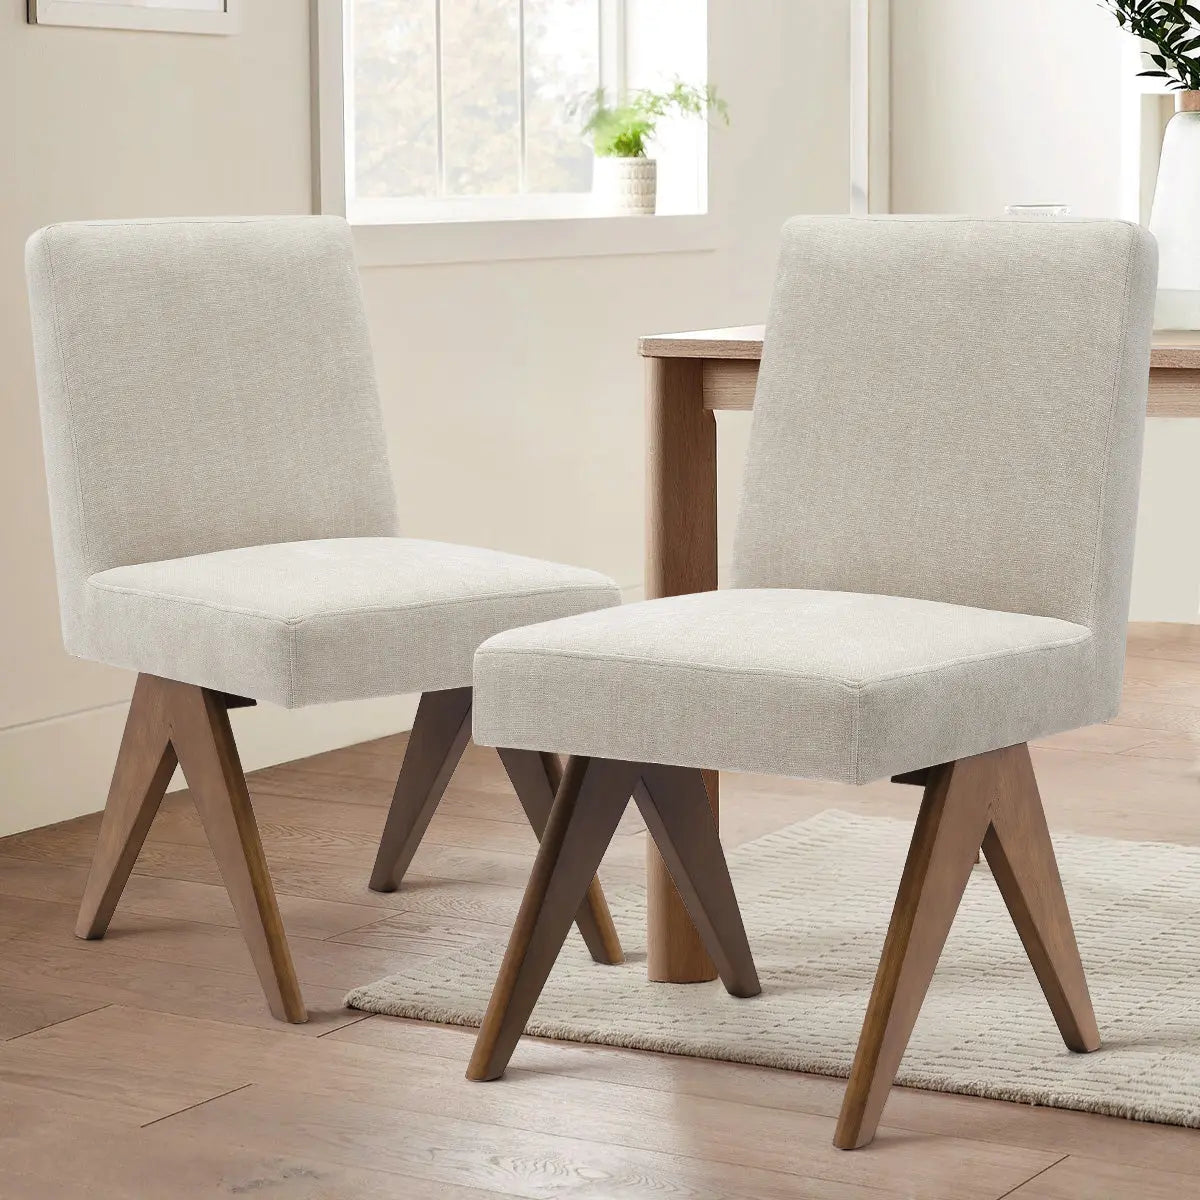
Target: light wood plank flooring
(146, 1065)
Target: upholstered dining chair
(224, 524)
(932, 568)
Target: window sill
(499, 241)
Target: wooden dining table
(689, 377)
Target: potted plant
(1170, 33)
(1171, 29)
(625, 179)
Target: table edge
(1165, 356)
(669, 345)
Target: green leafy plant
(1173, 29)
(621, 130)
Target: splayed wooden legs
(145, 763)
(990, 800)
(439, 736)
(173, 722)
(674, 803)
(536, 778)
(587, 807)
(1021, 856)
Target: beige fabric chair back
(952, 409)
(205, 385)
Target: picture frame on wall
(168, 16)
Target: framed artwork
(171, 16)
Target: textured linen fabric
(222, 508)
(828, 685)
(953, 409)
(204, 384)
(936, 534)
(342, 619)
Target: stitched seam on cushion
(981, 658)
(70, 414)
(144, 224)
(1112, 420)
(578, 590)
(291, 687)
(342, 612)
(937, 219)
(855, 735)
(962, 662)
(484, 652)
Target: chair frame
(172, 724)
(439, 736)
(179, 724)
(989, 800)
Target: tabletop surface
(1173, 349)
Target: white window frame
(105, 14)
(870, 106)
(483, 228)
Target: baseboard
(60, 768)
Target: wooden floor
(146, 1065)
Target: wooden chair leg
(953, 818)
(920, 778)
(203, 740)
(674, 804)
(145, 764)
(1021, 855)
(536, 778)
(989, 800)
(587, 808)
(439, 736)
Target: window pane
(481, 68)
(562, 63)
(395, 98)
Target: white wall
(112, 124)
(512, 391)
(1019, 102)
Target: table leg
(681, 557)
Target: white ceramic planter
(625, 187)
(1175, 222)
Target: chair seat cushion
(822, 685)
(315, 621)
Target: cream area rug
(816, 898)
